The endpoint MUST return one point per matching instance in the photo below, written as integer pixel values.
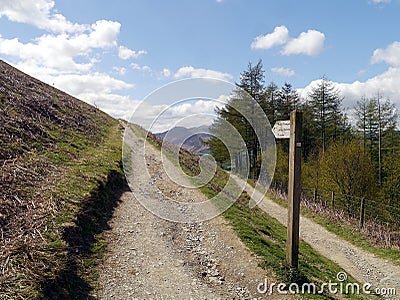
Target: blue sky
(114, 53)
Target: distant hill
(191, 139)
(58, 158)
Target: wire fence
(378, 220)
(360, 208)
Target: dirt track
(152, 258)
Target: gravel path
(152, 258)
(362, 265)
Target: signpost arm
(294, 190)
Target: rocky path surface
(152, 258)
(362, 265)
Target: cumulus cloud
(60, 51)
(191, 72)
(279, 36)
(126, 53)
(166, 72)
(309, 43)
(98, 89)
(38, 13)
(386, 83)
(136, 66)
(285, 72)
(77, 84)
(65, 55)
(390, 55)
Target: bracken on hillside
(44, 133)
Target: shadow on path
(92, 220)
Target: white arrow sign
(281, 129)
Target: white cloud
(361, 72)
(126, 53)
(309, 43)
(166, 72)
(60, 51)
(279, 36)
(98, 89)
(65, 55)
(381, 1)
(136, 66)
(117, 106)
(120, 70)
(101, 83)
(387, 83)
(390, 55)
(38, 13)
(162, 117)
(191, 72)
(285, 72)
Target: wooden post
(315, 195)
(362, 212)
(292, 242)
(333, 200)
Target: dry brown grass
(46, 178)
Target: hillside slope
(191, 139)
(58, 157)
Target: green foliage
(374, 118)
(278, 104)
(310, 170)
(391, 187)
(219, 152)
(328, 122)
(347, 170)
(281, 175)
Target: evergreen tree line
(356, 154)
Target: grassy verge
(90, 190)
(266, 237)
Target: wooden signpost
(294, 132)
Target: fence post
(333, 200)
(315, 195)
(362, 212)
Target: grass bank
(90, 191)
(60, 175)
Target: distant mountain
(190, 139)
